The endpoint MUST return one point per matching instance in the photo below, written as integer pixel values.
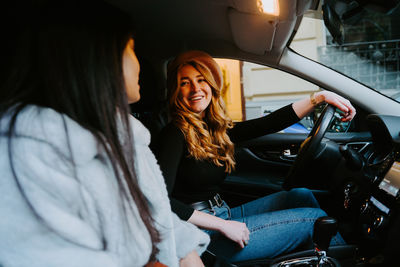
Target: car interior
(354, 174)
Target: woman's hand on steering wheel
(339, 102)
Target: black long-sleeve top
(189, 180)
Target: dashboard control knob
(378, 221)
(364, 207)
(347, 192)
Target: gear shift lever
(324, 229)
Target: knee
(322, 213)
(302, 192)
(318, 213)
(312, 213)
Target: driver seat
(151, 109)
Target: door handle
(287, 156)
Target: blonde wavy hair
(206, 137)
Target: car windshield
(365, 47)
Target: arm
(189, 238)
(288, 115)
(235, 231)
(192, 259)
(273, 122)
(305, 106)
(169, 149)
(174, 232)
(61, 237)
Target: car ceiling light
(270, 7)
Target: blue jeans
(278, 223)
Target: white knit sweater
(83, 214)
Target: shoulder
(170, 137)
(141, 135)
(45, 126)
(171, 130)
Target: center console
(383, 201)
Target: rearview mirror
(336, 13)
(333, 23)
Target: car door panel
(262, 163)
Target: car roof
(223, 28)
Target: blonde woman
(196, 152)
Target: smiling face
(131, 71)
(194, 90)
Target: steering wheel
(309, 150)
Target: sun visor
(252, 33)
(255, 32)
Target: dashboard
(383, 162)
(391, 181)
(383, 198)
(374, 190)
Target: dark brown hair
(68, 57)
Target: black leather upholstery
(151, 110)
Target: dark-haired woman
(79, 185)
(195, 152)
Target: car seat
(151, 109)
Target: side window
(251, 91)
